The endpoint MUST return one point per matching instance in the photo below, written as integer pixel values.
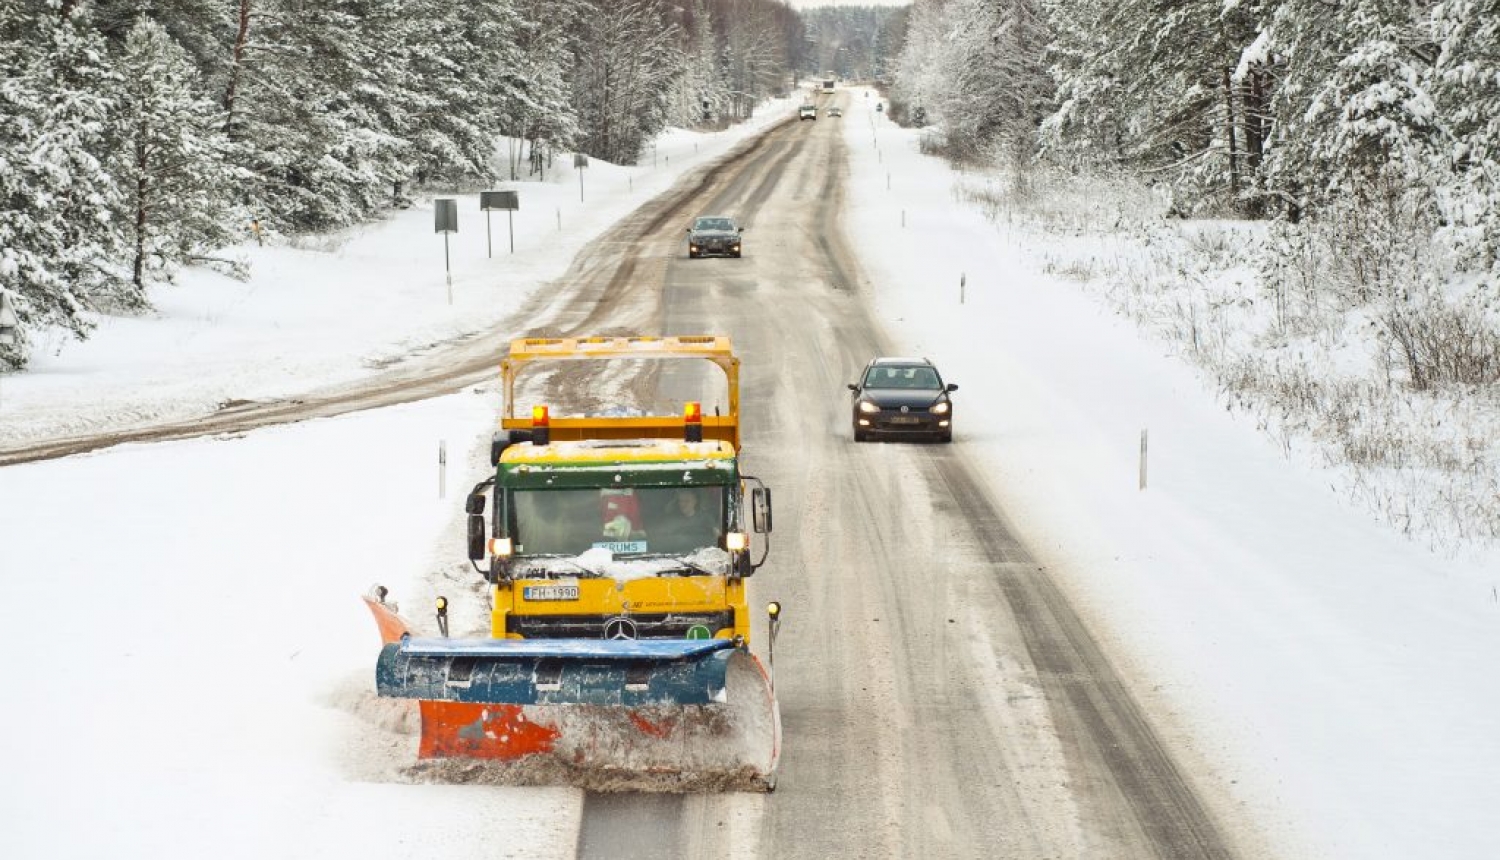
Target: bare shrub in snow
(1443, 344)
(1342, 337)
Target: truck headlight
(500, 547)
(736, 541)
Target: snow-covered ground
(189, 670)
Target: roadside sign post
(510, 201)
(445, 221)
(580, 161)
(10, 324)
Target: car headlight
(940, 408)
(867, 407)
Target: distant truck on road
(828, 84)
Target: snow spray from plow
(633, 715)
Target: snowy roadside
(1331, 676)
(1326, 674)
(318, 311)
(205, 660)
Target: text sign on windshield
(620, 547)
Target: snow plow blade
(639, 715)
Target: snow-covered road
(189, 642)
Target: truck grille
(647, 625)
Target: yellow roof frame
(712, 348)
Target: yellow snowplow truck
(617, 548)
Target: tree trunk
(138, 269)
(1255, 135)
(236, 60)
(1255, 129)
(1234, 160)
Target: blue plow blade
(630, 673)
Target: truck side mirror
(760, 509)
(476, 536)
(474, 504)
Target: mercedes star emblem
(619, 628)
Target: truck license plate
(550, 592)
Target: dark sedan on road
(714, 236)
(902, 397)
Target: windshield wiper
(690, 565)
(567, 559)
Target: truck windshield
(629, 521)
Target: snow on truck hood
(603, 562)
(639, 453)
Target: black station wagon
(902, 397)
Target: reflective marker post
(580, 161)
(1143, 460)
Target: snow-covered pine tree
(992, 60)
(1087, 121)
(304, 106)
(57, 239)
(442, 82)
(1353, 109)
(1160, 89)
(537, 105)
(917, 76)
(754, 54)
(202, 28)
(172, 159)
(1466, 89)
(625, 61)
(700, 93)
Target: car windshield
(896, 376)
(713, 224)
(634, 521)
